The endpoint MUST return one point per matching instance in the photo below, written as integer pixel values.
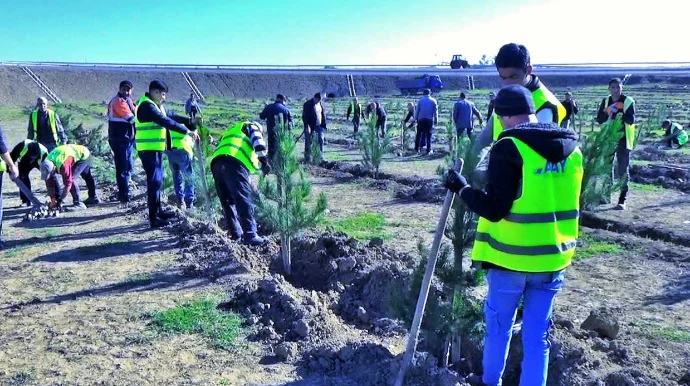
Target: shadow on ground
(104, 251)
(674, 292)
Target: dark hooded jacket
(505, 166)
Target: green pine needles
(283, 202)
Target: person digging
(69, 161)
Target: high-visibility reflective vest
(618, 124)
(51, 122)
(3, 166)
(182, 141)
(235, 143)
(149, 136)
(60, 154)
(682, 134)
(540, 233)
(543, 99)
(43, 150)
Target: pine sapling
(372, 147)
(282, 202)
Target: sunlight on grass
(588, 247)
(200, 317)
(364, 226)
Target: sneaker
(92, 201)
(166, 214)
(78, 206)
(620, 206)
(158, 223)
(26, 205)
(234, 236)
(252, 240)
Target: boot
(92, 201)
(158, 222)
(252, 239)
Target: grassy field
(94, 297)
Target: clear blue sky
(336, 32)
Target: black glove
(265, 167)
(454, 181)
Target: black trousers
(123, 151)
(424, 127)
(152, 161)
(25, 166)
(235, 194)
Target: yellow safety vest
(235, 143)
(618, 123)
(182, 141)
(540, 233)
(3, 166)
(60, 154)
(149, 136)
(51, 121)
(43, 150)
(543, 98)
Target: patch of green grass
(138, 277)
(200, 317)
(364, 226)
(589, 247)
(667, 333)
(14, 252)
(647, 187)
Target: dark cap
(126, 83)
(666, 121)
(158, 85)
(513, 100)
(280, 97)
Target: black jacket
(147, 113)
(269, 115)
(628, 115)
(309, 114)
(571, 108)
(505, 166)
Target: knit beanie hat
(513, 100)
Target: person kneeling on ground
(675, 135)
(6, 165)
(241, 152)
(28, 155)
(69, 161)
(527, 231)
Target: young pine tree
(372, 147)
(282, 203)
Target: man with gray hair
(45, 126)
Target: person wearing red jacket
(121, 133)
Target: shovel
(426, 283)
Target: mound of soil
(651, 153)
(671, 177)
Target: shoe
(252, 240)
(26, 205)
(159, 223)
(475, 380)
(428, 152)
(166, 214)
(234, 236)
(182, 206)
(620, 206)
(92, 201)
(78, 206)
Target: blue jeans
(123, 151)
(183, 175)
(506, 288)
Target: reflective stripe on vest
(43, 150)
(60, 154)
(51, 122)
(182, 141)
(235, 143)
(543, 98)
(149, 136)
(540, 233)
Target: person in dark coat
(314, 120)
(269, 114)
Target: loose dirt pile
(667, 176)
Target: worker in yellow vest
(45, 126)
(617, 112)
(180, 159)
(527, 231)
(69, 161)
(513, 65)
(154, 126)
(241, 152)
(28, 155)
(6, 165)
